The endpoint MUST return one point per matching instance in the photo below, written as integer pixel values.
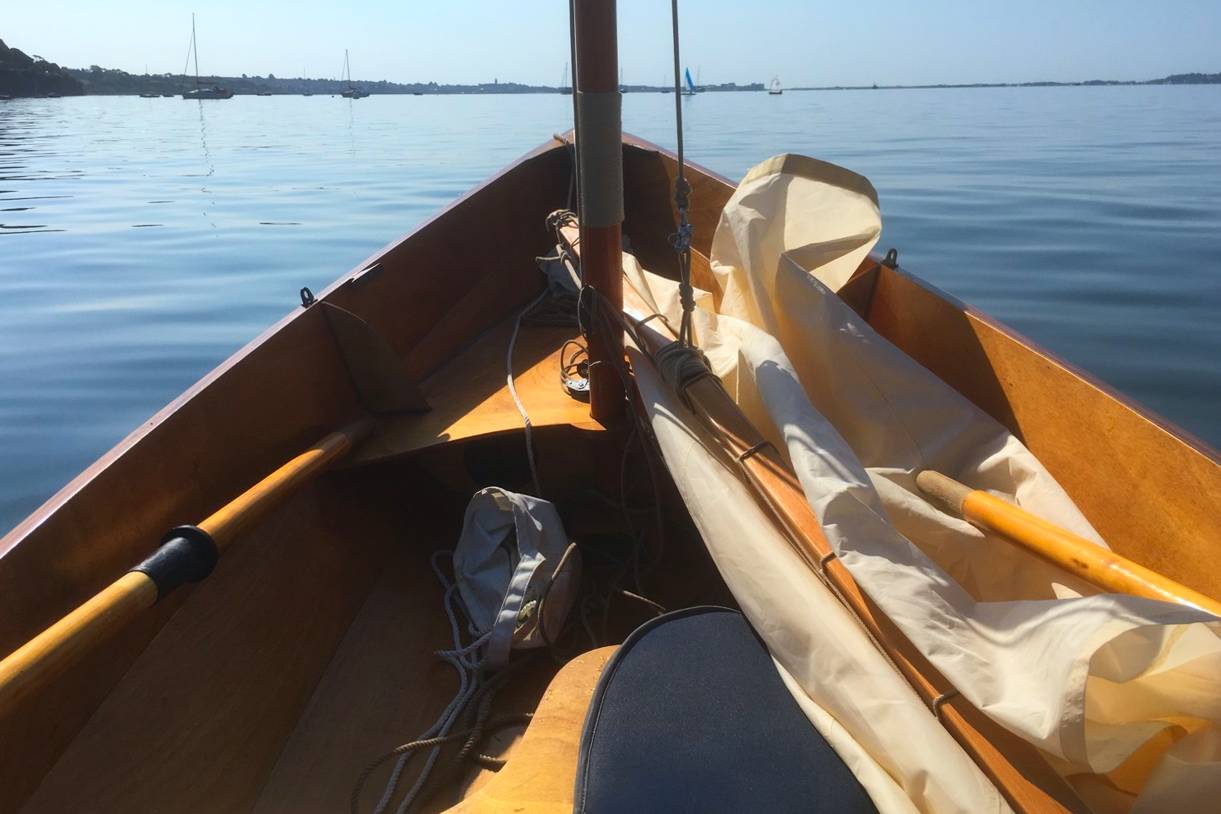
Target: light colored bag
(517, 573)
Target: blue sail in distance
(690, 84)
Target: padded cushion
(691, 716)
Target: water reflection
(1060, 217)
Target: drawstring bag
(517, 573)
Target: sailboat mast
(600, 156)
(195, 49)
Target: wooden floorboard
(202, 715)
(382, 688)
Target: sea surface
(142, 241)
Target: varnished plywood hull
(238, 694)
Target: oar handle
(1097, 565)
(187, 554)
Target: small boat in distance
(352, 92)
(263, 93)
(150, 96)
(774, 89)
(690, 89)
(214, 92)
(565, 88)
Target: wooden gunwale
(61, 497)
(194, 454)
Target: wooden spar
(1093, 563)
(1013, 765)
(599, 149)
(82, 630)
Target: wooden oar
(1093, 563)
(187, 554)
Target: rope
(681, 239)
(681, 365)
(467, 661)
(521, 408)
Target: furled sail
(1119, 692)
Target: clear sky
(469, 41)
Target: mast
(195, 50)
(600, 157)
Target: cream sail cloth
(1103, 684)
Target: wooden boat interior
(309, 652)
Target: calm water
(144, 240)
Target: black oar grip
(187, 554)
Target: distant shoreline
(1174, 79)
(22, 75)
(100, 81)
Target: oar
(187, 554)
(1097, 565)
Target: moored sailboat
(199, 91)
(351, 91)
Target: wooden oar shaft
(65, 642)
(1099, 566)
(225, 523)
(72, 637)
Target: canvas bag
(506, 565)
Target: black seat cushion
(690, 715)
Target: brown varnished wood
(434, 289)
(469, 396)
(596, 74)
(200, 717)
(1148, 489)
(858, 291)
(541, 772)
(382, 687)
(650, 212)
(175, 468)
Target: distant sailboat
(214, 92)
(775, 89)
(564, 86)
(352, 91)
(146, 94)
(690, 89)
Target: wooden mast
(599, 133)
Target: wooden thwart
(540, 775)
